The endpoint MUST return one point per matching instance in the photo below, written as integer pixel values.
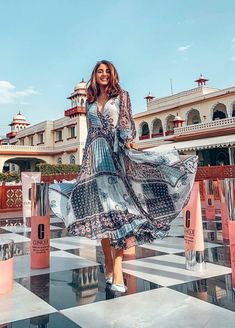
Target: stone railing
(206, 126)
(10, 198)
(20, 148)
(11, 195)
(215, 172)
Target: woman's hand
(130, 145)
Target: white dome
(19, 117)
(177, 118)
(81, 85)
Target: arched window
(222, 158)
(157, 128)
(233, 110)
(218, 115)
(170, 124)
(145, 129)
(59, 160)
(193, 117)
(72, 160)
(219, 112)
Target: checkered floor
(161, 292)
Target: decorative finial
(201, 80)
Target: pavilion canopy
(206, 143)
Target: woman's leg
(117, 267)
(108, 258)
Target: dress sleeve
(127, 131)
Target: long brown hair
(113, 88)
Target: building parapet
(181, 97)
(226, 122)
(14, 149)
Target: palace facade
(55, 142)
(198, 121)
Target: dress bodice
(110, 114)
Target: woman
(123, 196)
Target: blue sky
(47, 46)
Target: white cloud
(233, 43)
(184, 48)
(8, 94)
(5, 85)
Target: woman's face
(103, 75)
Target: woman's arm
(126, 121)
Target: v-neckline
(103, 107)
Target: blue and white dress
(128, 196)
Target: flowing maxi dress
(126, 195)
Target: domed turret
(78, 100)
(18, 123)
(81, 86)
(177, 121)
(19, 118)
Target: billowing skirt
(129, 197)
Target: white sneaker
(118, 288)
(109, 280)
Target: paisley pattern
(126, 195)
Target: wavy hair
(113, 88)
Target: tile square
(215, 290)
(95, 253)
(24, 229)
(59, 261)
(171, 245)
(55, 219)
(77, 287)
(2, 231)
(168, 270)
(161, 307)
(72, 242)
(51, 320)
(17, 238)
(20, 304)
(217, 255)
(55, 232)
(24, 248)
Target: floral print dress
(125, 195)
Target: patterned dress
(128, 196)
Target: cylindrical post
(229, 189)
(27, 179)
(193, 232)
(6, 265)
(209, 200)
(224, 211)
(40, 227)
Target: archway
(233, 110)
(23, 163)
(144, 131)
(193, 117)
(169, 124)
(219, 112)
(157, 129)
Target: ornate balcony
(147, 136)
(156, 135)
(213, 125)
(74, 111)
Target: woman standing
(123, 196)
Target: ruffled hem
(124, 230)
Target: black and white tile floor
(161, 292)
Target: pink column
(6, 265)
